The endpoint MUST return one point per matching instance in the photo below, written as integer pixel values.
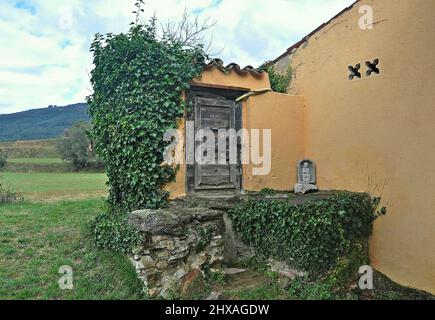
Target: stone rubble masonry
(176, 242)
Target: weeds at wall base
(7, 195)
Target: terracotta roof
(218, 63)
(305, 39)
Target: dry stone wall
(177, 243)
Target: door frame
(219, 94)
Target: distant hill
(43, 123)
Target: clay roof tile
(218, 63)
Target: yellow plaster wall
(377, 134)
(215, 77)
(283, 114)
(177, 188)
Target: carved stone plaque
(306, 177)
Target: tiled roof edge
(218, 63)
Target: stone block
(153, 292)
(147, 262)
(284, 270)
(162, 253)
(167, 244)
(302, 188)
(162, 265)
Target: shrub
(3, 158)
(75, 147)
(304, 289)
(7, 195)
(267, 192)
(111, 231)
(138, 83)
(312, 236)
(278, 82)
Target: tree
(190, 32)
(76, 147)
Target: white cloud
(44, 44)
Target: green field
(35, 170)
(36, 239)
(31, 149)
(46, 161)
(57, 186)
(51, 229)
(36, 156)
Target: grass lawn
(36, 160)
(31, 149)
(45, 232)
(37, 239)
(57, 186)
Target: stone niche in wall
(177, 243)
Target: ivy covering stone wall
(314, 236)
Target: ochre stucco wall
(215, 77)
(377, 134)
(283, 114)
(177, 188)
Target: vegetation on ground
(45, 161)
(257, 282)
(37, 239)
(327, 238)
(40, 156)
(31, 149)
(313, 236)
(76, 147)
(112, 232)
(3, 158)
(54, 186)
(39, 165)
(7, 195)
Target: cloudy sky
(44, 44)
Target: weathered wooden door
(215, 114)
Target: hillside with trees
(42, 123)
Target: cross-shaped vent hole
(372, 67)
(354, 71)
